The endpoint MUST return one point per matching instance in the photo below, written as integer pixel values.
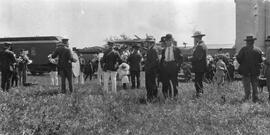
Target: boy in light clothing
(220, 75)
(123, 74)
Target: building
(252, 17)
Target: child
(187, 71)
(123, 74)
(53, 70)
(220, 75)
(15, 75)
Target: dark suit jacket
(134, 61)
(199, 60)
(111, 60)
(250, 59)
(7, 60)
(152, 61)
(177, 56)
(65, 57)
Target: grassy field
(39, 110)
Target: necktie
(169, 54)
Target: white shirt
(169, 55)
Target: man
(22, 66)
(53, 70)
(8, 62)
(80, 79)
(65, 60)
(199, 61)
(151, 68)
(250, 59)
(134, 61)
(171, 61)
(111, 62)
(267, 65)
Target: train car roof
(38, 39)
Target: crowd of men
(13, 68)
(159, 66)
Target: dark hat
(168, 37)
(162, 39)
(268, 38)
(64, 40)
(198, 34)
(7, 44)
(150, 39)
(220, 49)
(136, 46)
(250, 38)
(110, 43)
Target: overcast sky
(90, 22)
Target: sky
(90, 22)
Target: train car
(38, 50)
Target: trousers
(66, 73)
(135, 77)
(110, 75)
(253, 82)
(5, 79)
(150, 84)
(199, 82)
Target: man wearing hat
(22, 66)
(8, 62)
(151, 70)
(65, 60)
(134, 60)
(171, 61)
(250, 59)
(199, 61)
(110, 63)
(267, 64)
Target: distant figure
(199, 61)
(134, 60)
(210, 72)
(8, 61)
(22, 66)
(15, 75)
(123, 72)
(231, 70)
(64, 64)
(220, 75)
(187, 71)
(267, 66)
(100, 74)
(151, 70)
(80, 79)
(171, 61)
(88, 70)
(111, 61)
(53, 70)
(250, 59)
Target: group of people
(160, 66)
(13, 68)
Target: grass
(38, 110)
